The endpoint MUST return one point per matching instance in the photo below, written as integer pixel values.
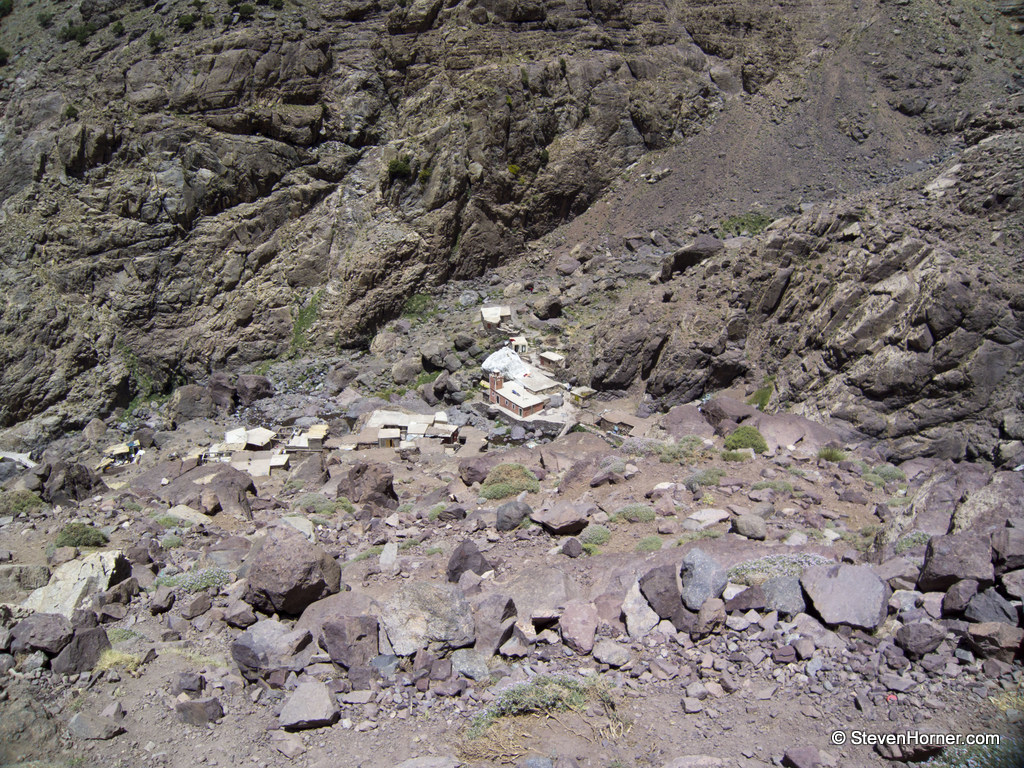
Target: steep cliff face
(899, 311)
(204, 185)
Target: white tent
(507, 363)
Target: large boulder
(685, 421)
(511, 514)
(578, 625)
(46, 632)
(311, 705)
(285, 573)
(351, 641)
(367, 483)
(919, 638)
(336, 607)
(466, 557)
(494, 616)
(82, 653)
(436, 617)
(211, 488)
(702, 578)
(68, 483)
(75, 582)
(251, 388)
(661, 587)
(847, 594)
(1008, 545)
(191, 402)
(952, 558)
(564, 517)
(269, 646)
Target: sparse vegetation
(171, 541)
(689, 536)
(418, 306)
(705, 477)
(156, 39)
(735, 455)
(117, 28)
(542, 695)
(80, 33)
(1009, 753)
(114, 659)
(6, 8)
(509, 480)
(752, 223)
(864, 539)
(649, 544)
(305, 316)
(366, 554)
(684, 449)
(121, 635)
(594, 534)
(770, 566)
(909, 541)
(425, 173)
(882, 474)
(18, 502)
(746, 437)
(635, 513)
(318, 504)
(45, 19)
(435, 512)
(399, 168)
(4, 56)
(246, 11)
(187, 22)
(80, 535)
(779, 486)
(760, 398)
(431, 551)
(831, 454)
(197, 580)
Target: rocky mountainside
(187, 187)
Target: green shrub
(1009, 753)
(735, 456)
(435, 511)
(71, 112)
(399, 168)
(649, 544)
(80, 535)
(305, 315)
(831, 454)
(171, 541)
(156, 39)
(6, 7)
(682, 450)
(635, 513)
(434, 551)
(595, 534)
(690, 536)
(367, 553)
(509, 480)
(425, 173)
(45, 19)
(18, 502)
(752, 223)
(746, 437)
(80, 33)
(909, 541)
(514, 169)
(418, 306)
(277, 5)
(246, 11)
(318, 504)
(187, 22)
(4, 56)
(118, 28)
(760, 398)
(208, 20)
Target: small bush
(156, 39)
(45, 19)
(779, 486)
(399, 168)
(246, 11)
(187, 22)
(705, 477)
(208, 21)
(435, 512)
(196, 581)
(277, 5)
(746, 437)
(318, 504)
(418, 306)
(4, 56)
(425, 173)
(80, 535)
(171, 541)
(734, 456)
(768, 567)
(408, 544)
(911, 540)
(509, 480)
(368, 553)
(434, 551)
(690, 536)
(119, 635)
(594, 534)
(542, 695)
(113, 659)
(682, 450)
(6, 7)
(71, 112)
(80, 33)
(760, 398)
(635, 513)
(831, 454)
(649, 544)
(18, 502)
(514, 169)
(750, 223)
(117, 28)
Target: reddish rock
(286, 573)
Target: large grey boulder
(436, 617)
(82, 653)
(661, 587)
(952, 558)
(350, 641)
(702, 578)
(75, 582)
(310, 706)
(494, 616)
(286, 573)
(847, 594)
(990, 606)
(466, 557)
(563, 518)
(46, 632)
(268, 646)
(919, 638)
(783, 594)
(511, 514)
(640, 617)
(578, 625)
